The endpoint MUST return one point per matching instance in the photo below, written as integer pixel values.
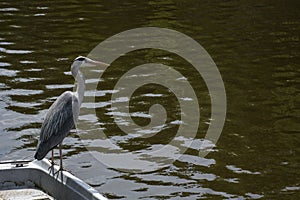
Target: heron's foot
(51, 166)
(59, 170)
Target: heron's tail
(42, 151)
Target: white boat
(37, 180)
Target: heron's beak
(90, 62)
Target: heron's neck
(80, 87)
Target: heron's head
(84, 61)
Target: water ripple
(39, 14)
(4, 64)
(27, 62)
(21, 92)
(8, 73)
(196, 160)
(25, 80)
(59, 86)
(239, 170)
(6, 43)
(8, 9)
(42, 7)
(9, 51)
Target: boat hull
(40, 174)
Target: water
(255, 46)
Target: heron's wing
(59, 119)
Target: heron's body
(57, 124)
(63, 113)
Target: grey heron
(63, 113)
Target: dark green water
(255, 45)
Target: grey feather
(59, 115)
(58, 122)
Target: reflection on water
(255, 46)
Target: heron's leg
(52, 157)
(52, 160)
(60, 154)
(60, 157)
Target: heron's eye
(80, 59)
